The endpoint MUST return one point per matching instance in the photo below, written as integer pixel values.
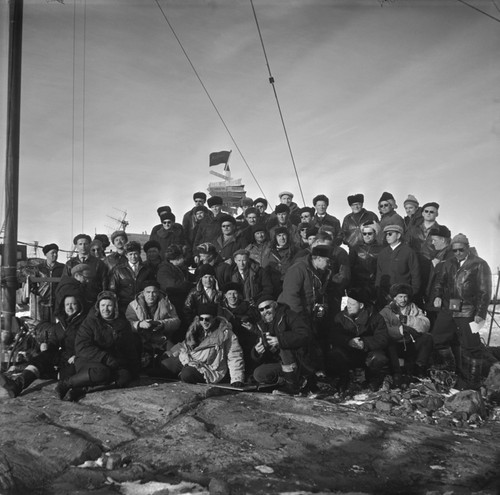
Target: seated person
(242, 317)
(60, 350)
(205, 291)
(359, 340)
(208, 353)
(408, 329)
(106, 350)
(154, 319)
(283, 351)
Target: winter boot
(78, 381)
(15, 386)
(290, 379)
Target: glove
(237, 384)
(111, 362)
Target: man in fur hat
(351, 225)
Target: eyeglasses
(390, 233)
(459, 250)
(430, 211)
(264, 308)
(368, 233)
(205, 318)
(384, 205)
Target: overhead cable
(479, 10)
(208, 95)
(271, 80)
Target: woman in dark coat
(106, 349)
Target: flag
(218, 157)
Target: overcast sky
(403, 97)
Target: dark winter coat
(391, 218)
(363, 261)
(176, 282)
(166, 238)
(333, 224)
(98, 274)
(351, 226)
(470, 283)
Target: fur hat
(198, 208)
(441, 231)
(206, 248)
(460, 238)
(200, 195)
(260, 200)
(173, 252)
(282, 208)
(104, 239)
(400, 289)
(411, 199)
(285, 193)
(259, 227)
(161, 209)
(307, 209)
(371, 225)
(246, 201)
(151, 244)
(360, 294)
(50, 247)
(311, 231)
(167, 215)
(227, 218)
(132, 246)
(322, 250)
(205, 269)
(207, 309)
(251, 210)
(281, 230)
(266, 296)
(81, 236)
(321, 197)
(81, 267)
(233, 286)
(150, 283)
(118, 233)
(214, 200)
(355, 198)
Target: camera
(319, 310)
(403, 319)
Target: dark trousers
(270, 372)
(343, 359)
(417, 352)
(172, 368)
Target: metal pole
(9, 259)
(494, 306)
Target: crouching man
(283, 350)
(359, 340)
(408, 329)
(208, 352)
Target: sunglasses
(384, 205)
(264, 308)
(390, 233)
(205, 318)
(459, 250)
(167, 222)
(430, 211)
(368, 233)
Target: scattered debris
(265, 469)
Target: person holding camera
(282, 352)
(408, 328)
(154, 320)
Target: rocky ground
(175, 438)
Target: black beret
(355, 198)
(81, 236)
(50, 247)
(320, 197)
(266, 296)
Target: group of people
(258, 298)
